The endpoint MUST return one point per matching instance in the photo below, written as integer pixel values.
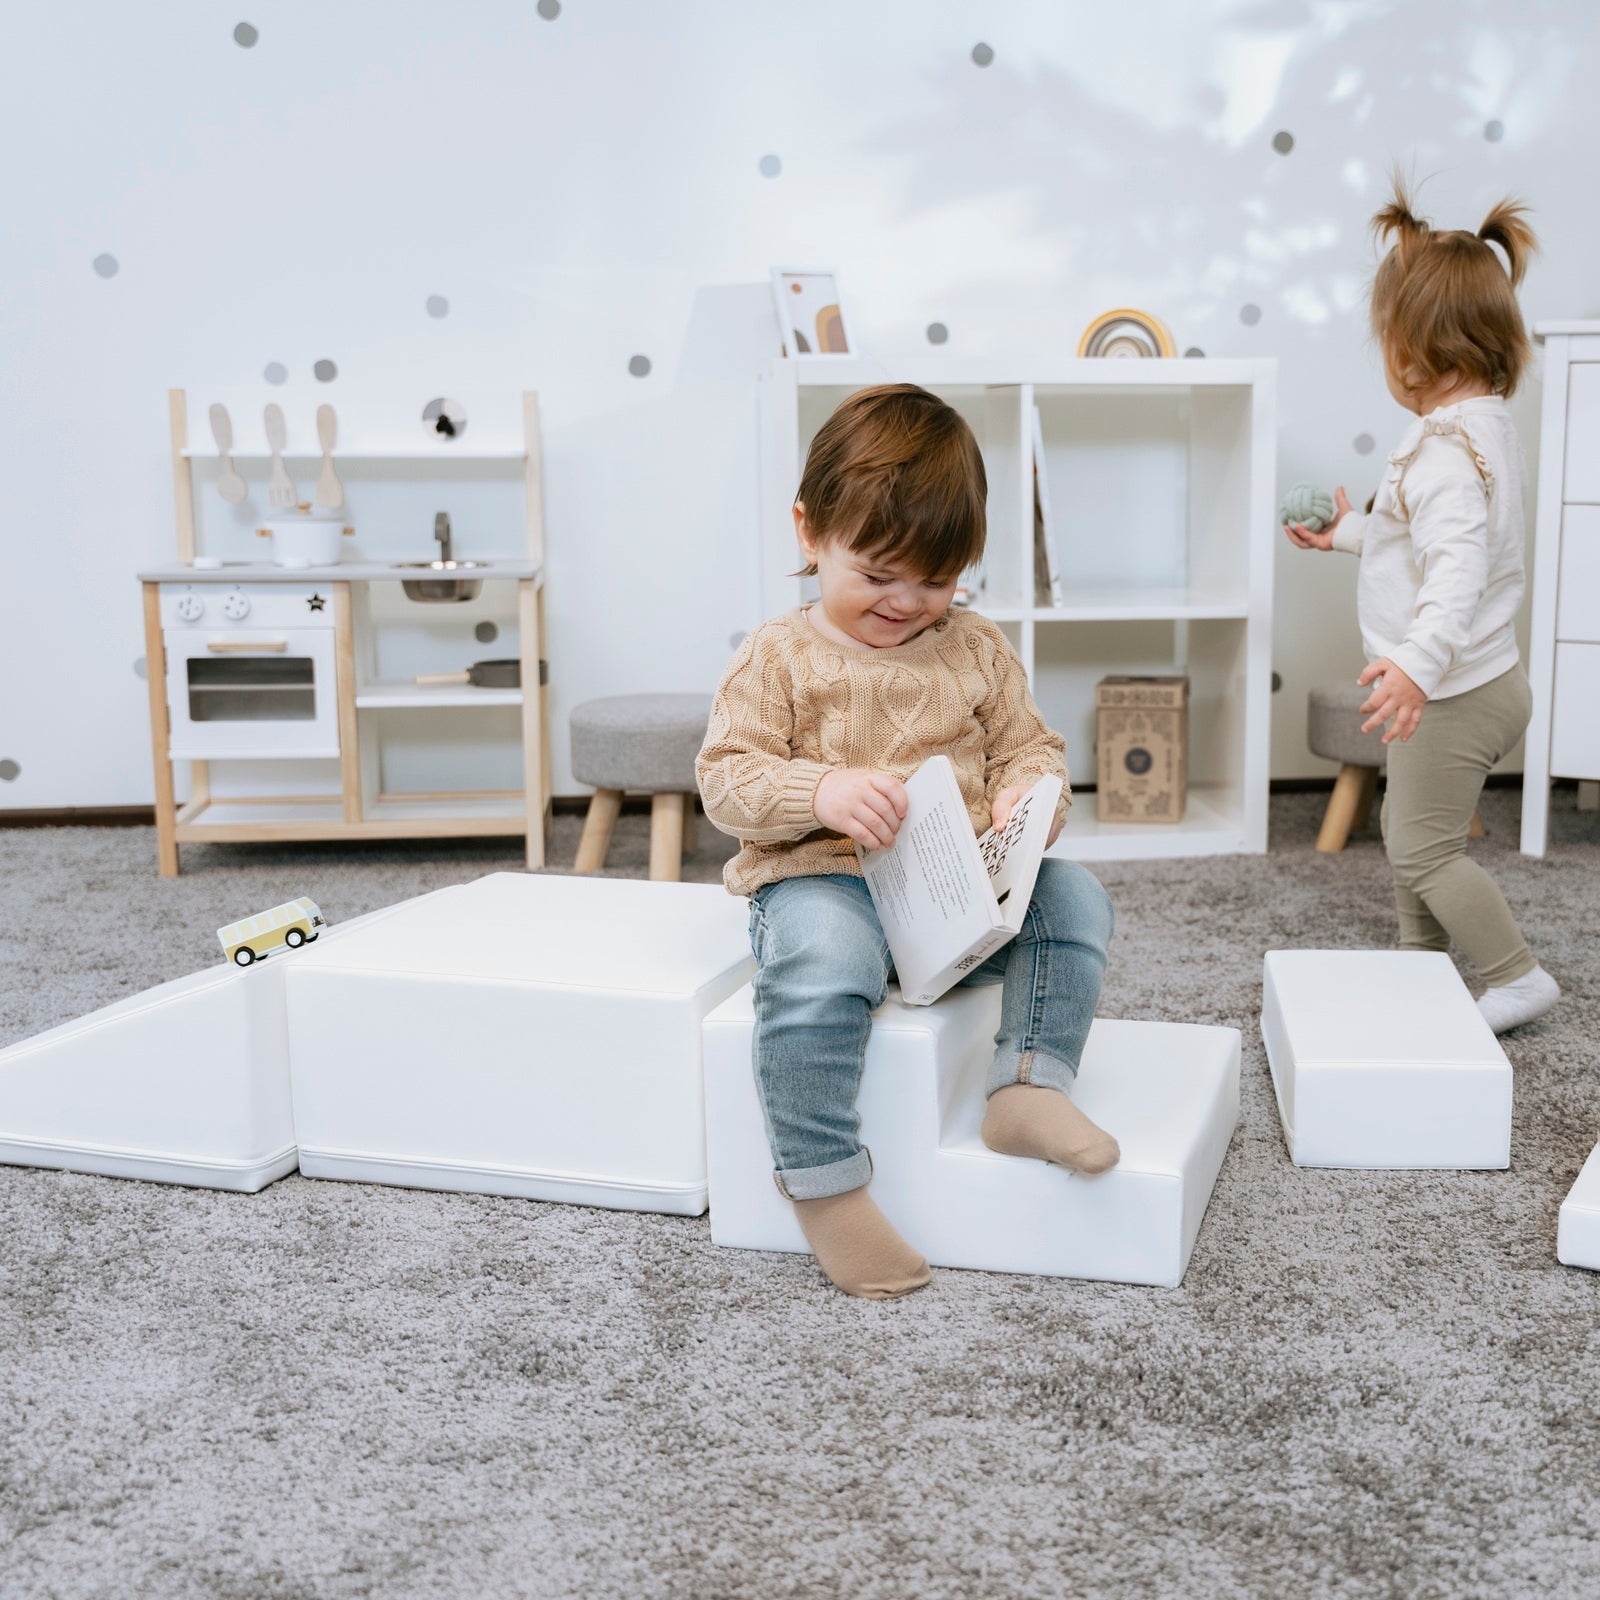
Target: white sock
(1512, 1004)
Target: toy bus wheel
(311, 938)
(243, 956)
(294, 938)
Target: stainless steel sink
(440, 582)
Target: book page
(1012, 855)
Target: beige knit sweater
(793, 704)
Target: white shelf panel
(379, 453)
(1210, 827)
(450, 808)
(943, 372)
(378, 696)
(1125, 605)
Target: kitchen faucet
(441, 532)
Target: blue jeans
(824, 968)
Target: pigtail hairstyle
(1442, 303)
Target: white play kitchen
(349, 643)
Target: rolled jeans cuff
(817, 1183)
(1029, 1066)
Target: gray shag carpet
(1369, 1384)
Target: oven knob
(235, 606)
(190, 607)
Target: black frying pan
(481, 675)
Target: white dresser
(1564, 642)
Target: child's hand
(1301, 535)
(1000, 812)
(866, 806)
(1397, 696)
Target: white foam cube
(1578, 1233)
(536, 1036)
(185, 1083)
(1169, 1093)
(1380, 1058)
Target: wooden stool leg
(1342, 807)
(1369, 787)
(666, 837)
(688, 824)
(1475, 827)
(597, 826)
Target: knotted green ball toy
(1307, 505)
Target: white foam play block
(521, 1035)
(1578, 1233)
(184, 1083)
(1169, 1093)
(1380, 1059)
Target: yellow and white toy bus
(294, 923)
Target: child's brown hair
(1442, 302)
(895, 472)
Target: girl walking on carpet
(1441, 580)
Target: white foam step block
(1578, 1233)
(521, 1035)
(184, 1083)
(1169, 1092)
(1380, 1058)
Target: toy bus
(294, 923)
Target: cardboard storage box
(1142, 740)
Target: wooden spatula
(330, 492)
(281, 491)
(231, 486)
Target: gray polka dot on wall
(106, 265)
(1494, 131)
(10, 771)
(1283, 142)
(770, 166)
(325, 371)
(1249, 315)
(1194, 350)
(982, 54)
(937, 333)
(141, 668)
(737, 639)
(245, 35)
(438, 306)
(1363, 444)
(275, 372)
(486, 633)
(549, 9)
(639, 366)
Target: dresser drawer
(1575, 721)
(1578, 591)
(1582, 475)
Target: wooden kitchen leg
(344, 688)
(155, 671)
(1342, 806)
(597, 826)
(535, 741)
(666, 837)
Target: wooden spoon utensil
(281, 491)
(231, 485)
(330, 492)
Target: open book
(948, 900)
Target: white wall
(587, 188)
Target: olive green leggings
(1433, 788)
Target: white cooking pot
(306, 538)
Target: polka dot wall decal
(1277, 682)
(770, 166)
(1494, 132)
(106, 265)
(1363, 444)
(736, 639)
(937, 333)
(275, 372)
(1283, 142)
(1249, 315)
(639, 366)
(982, 54)
(1194, 350)
(10, 771)
(141, 668)
(486, 633)
(549, 9)
(245, 36)
(438, 306)
(325, 371)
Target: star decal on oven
(316, 602)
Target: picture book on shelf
(947, 898)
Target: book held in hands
(948, 899)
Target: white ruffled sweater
(1441, 550)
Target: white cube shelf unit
(1161, 485)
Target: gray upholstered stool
(1333, 731)
(646, 743)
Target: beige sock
(858, 1248)
(1028, 1119)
